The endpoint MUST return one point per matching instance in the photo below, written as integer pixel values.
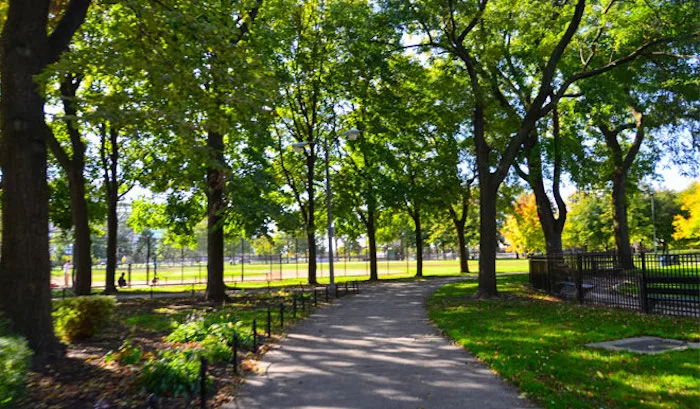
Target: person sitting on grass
(122, 281)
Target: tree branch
(69, 24)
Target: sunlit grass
(538, 344)
(171, 275)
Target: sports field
(171, 274)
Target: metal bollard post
(294, 307)
(346, 288)
(269, 320)
(282, 315)
(303, 302)
(255, 336)
(151, 292)
(315, 299)
(63, 296)
(336, 291)
(203, 383)
(326, 294)
(192, 290)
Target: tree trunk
(74, 166)
(311, 216)
(619, 197)
(25, 268)
(82, 258)
(488, 242)
(372, 237)
(311, 243)
(419, 243)
(463, 256)
(216, 290)
(109, 162)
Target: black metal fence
(651, 283)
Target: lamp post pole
(330, 218)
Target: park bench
(655, 289)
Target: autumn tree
(687, 228)
(522, 228)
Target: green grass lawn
(538, 344)
(254, 274)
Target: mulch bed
(82, 379)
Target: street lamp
(299, 147)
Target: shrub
(82, 317)
(15, 358)
(174, 373)
(193, 329)
(127, 354)
(216, 350)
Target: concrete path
(374, 350)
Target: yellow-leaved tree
(522, 229)
(687, 229)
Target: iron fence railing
(651, 283)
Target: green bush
(193, 329)
(15, 358)
(216, 350)
(82, 317)
(127, 354)
(173, 373)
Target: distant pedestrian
(122, 281)
(66, 273)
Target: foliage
(522, 228)
(198, 326)
(15, 358)
(539, 348)
(82, 317)
(688, 228)
(192, 329)
(173, 373)
(589, 223)
(127, 354)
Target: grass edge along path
(537, 343)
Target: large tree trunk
(112, 232)
(419, 243)
(621, 165)
(372, 237)
(311, 216)
(620, 227)
(488, 242)
(25, 269)
(74, 166)
(463, 256)
(109, 162)
(216, 290)
(82, 257)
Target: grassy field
(291, 273)
(537, 343)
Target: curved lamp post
(299, 147)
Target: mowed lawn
(294, 273)
(537, 343)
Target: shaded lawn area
(85, 375)
(537, 343)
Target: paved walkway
(374, 350)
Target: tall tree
(73, 162)
(306, 60)
(26, 48)
(516, 77)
